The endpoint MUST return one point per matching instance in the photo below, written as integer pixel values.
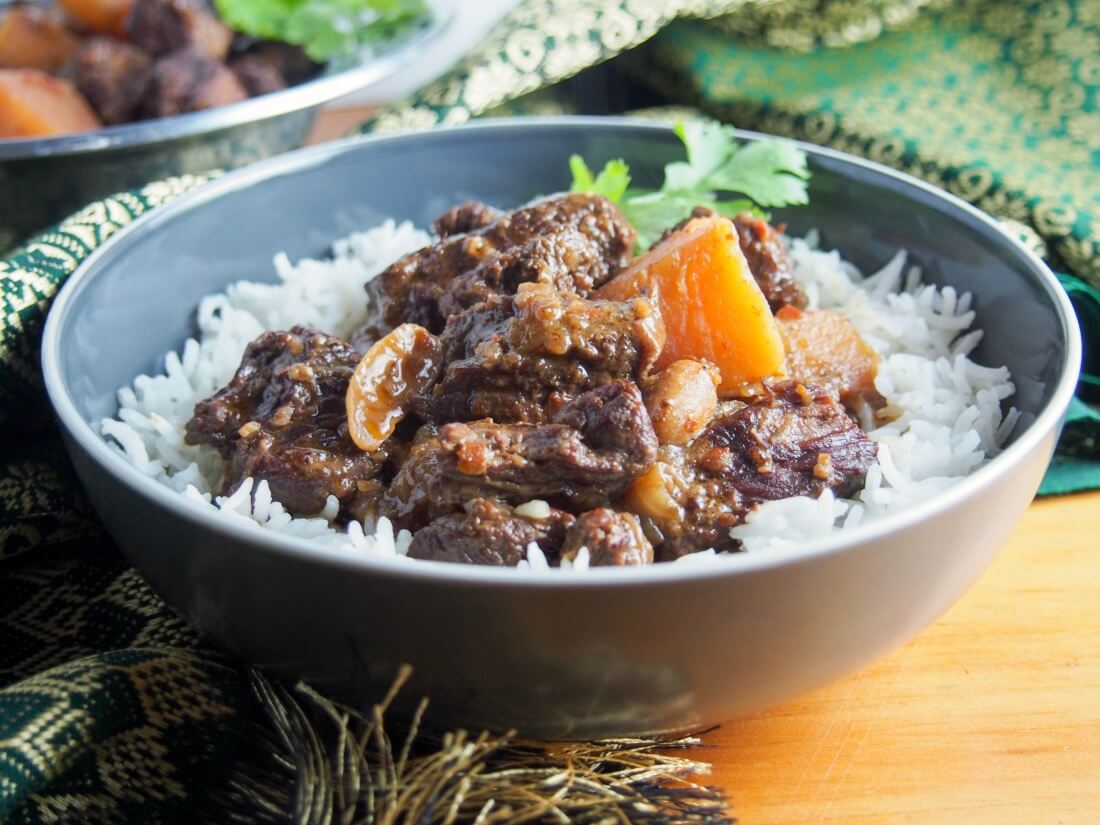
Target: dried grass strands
(316, 762)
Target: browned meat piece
(765, 253)
(597, 445)
(220, 89)
(793, 441)
(189, 81)
(768, 262)
(519, 359)
(825, 350)
(568, 261)
(796, 441)
(290, 61)
(466, 217)
(410, 289)
(612, 539)
(483, 323)
(489, 533)
(282, 418)
(113, 76)
(258, 76)
(162, 27)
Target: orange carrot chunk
(35, 38)
(712, 307)
(33, 104)
(100, 16)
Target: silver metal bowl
(637, 650)
(43, 180)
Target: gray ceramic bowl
(621, 650)
(43, 180)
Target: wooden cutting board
(992, 715)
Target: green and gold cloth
(111, 710)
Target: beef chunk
(489, 532)
(291, 62)
(568, 261)
(765, 253)
(256, 75)
(466, 217)
(484, 323)
(792, 441)
(113, 76)
(161, 27)
(189, 81)
(612, 539)
(768, 262)
(597, 444)
(282, 418)
(410, 289)
(795, 441)
(519, 359)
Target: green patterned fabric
(994, 101)
(111, 710)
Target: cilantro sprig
(325, 29)
(719, 172)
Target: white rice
(947, 414)
(946, 410)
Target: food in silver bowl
(530, 429)
(518, 388)
(99, 96)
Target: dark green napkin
(1075, 466)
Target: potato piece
(826, 351)
(398, 367)
(33, 104)
(100, 16)
(34, 38)
(682, 400)
(712, 306)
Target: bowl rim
(258, 539)
(317, 91)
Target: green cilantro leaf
(259, 18)
(612, 181)
(582, 175)
(325, 29)
(719, 173)
(652, 213)
(709, 146)
(770, 172)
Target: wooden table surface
(991, 715)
